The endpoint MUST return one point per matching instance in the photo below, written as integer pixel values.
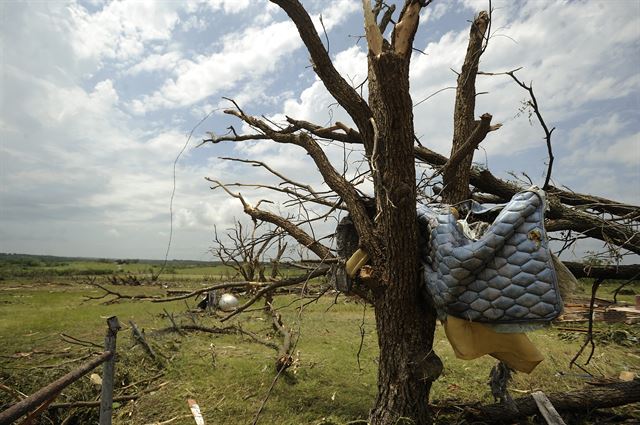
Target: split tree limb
(139, 338)
(284, 358)
(456, 185)
(371, 29)
(405, 30)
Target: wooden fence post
(108, 371)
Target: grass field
(230, 375)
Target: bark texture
(405, 327)
(456, 175)
(583, 400)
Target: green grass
(325, 386)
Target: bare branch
(332, 178)
(275, 173)
(349, 136)
(589, 336)
(473, 141)
(319, 271)
(296, 232)
(346, 95)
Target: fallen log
(584, 400)
(579, 270)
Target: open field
(230, 375)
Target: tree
(386, 225)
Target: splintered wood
(577, 310)
(195, 411)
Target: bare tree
(386, 225)
(245, 251)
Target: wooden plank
(547, 410)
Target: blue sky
(98, 98)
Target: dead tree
(386, 225)
(245, 251)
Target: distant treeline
(52, 260)
(31, 266)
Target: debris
(195, 411)
(547, 410)
(228, 302)
(577, 310)
(96, 379)
(139, 338)
(627, 376)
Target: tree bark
(584, 400)
(405, 327)
(456, 176)
(625, 271)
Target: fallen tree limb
(139, 338)
(96, 403)
(321, 271)
(284, 359)
(596, 203)
(45, 393)
(186, 295)
(584, 400)
(631, 271)
(227, 330)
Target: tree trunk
(405, 326)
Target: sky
(99, 98)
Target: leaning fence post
(106, 397)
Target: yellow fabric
(355, 262)
(471, 340)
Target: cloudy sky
(98, 99)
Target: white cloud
(246, 56)
(121, 29)
(603, 142)
(156, 62)
(252, 53)
(229, 6)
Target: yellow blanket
(471, 340)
